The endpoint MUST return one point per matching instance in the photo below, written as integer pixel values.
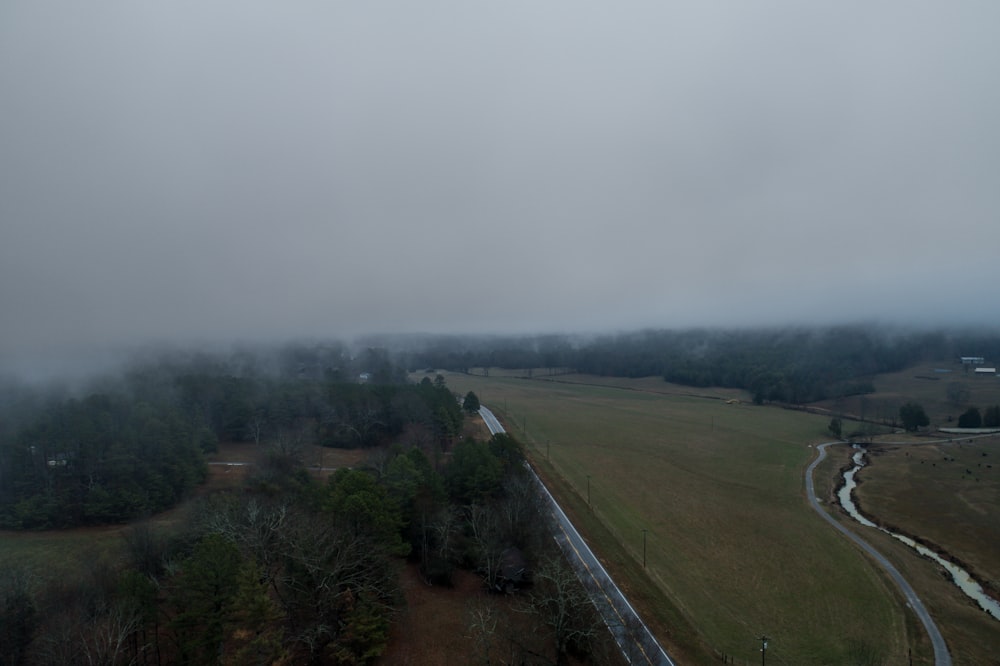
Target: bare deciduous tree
(482, 619)
(487, 532)
(104, 639)
(561, 602)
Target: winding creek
(960, 577)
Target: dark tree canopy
(138, 446)
(105, 458)
(794, 364)
(471, 403)
(287, 568)
(991, 417)
(913, 416)
(970, 418)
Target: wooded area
(794, 365)
(288, 568)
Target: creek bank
(965, 581)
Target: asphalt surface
(634, 639)
(941, 655)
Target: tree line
(136, 445)
(291, 569)
(973, 418)
(792, 364)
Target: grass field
(732, 549)
(928, 386)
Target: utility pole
(763, 648)
(644, 548)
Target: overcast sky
(185, 171)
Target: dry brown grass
(949, 496)
(433, 628)
(922, 384)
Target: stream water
(960, 577)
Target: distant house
(986, 371)
(365, 377)
(972, 360)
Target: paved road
(633, 637)
(941, 655)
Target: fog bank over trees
(783, 363)
(196, 172)
(789, 364)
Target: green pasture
(731, 545)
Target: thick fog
(204, 171)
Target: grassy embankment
(733, 551)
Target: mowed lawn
(732, 545)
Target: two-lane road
(632, 635)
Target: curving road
(941, 655)
(634, 639)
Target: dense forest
(135, 445)
(289, 567)
(795, 365)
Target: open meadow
(732, 550)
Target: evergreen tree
(202, 596)
(471, 403)
(913, 416)
(991, 417)
(970, 418)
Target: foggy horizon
(182, 173)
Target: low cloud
(190, 172)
